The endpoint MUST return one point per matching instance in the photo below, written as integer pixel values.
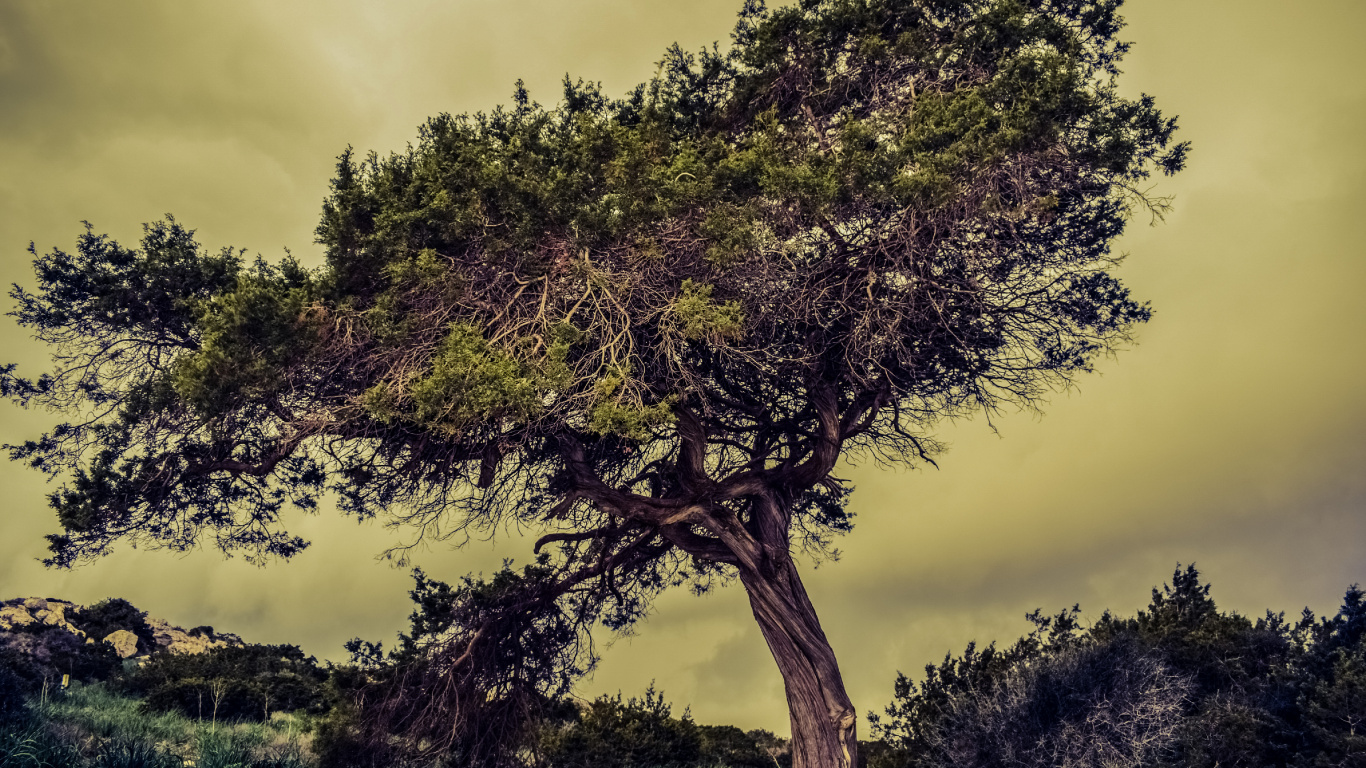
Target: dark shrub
(339, 742)
(18, 678)
(729, 746)
(108, 616)
(51, 651)
(246, 683)
(611, 733)
(1182, 683)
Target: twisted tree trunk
(823, 719)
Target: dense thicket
(234, 683)
(1181, 684)
(649, 326)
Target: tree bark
(823, 719)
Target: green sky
(1233, 435)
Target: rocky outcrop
(20, 619)
(176, 640)
(37, 610)
(12, 616)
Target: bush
(611, 733)
(729, 746)
(232, 683)
(108, 616)
(1182, 683)
(18, 678)
(49, 651)
(339, 742)
(1084, 707)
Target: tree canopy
(648, 325)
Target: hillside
(50, 630)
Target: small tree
(651, 326)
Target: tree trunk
(823, 719)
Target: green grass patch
(92, 726)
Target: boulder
(14, 616)
(125, 643)
(35, 604)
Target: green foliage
(757, 219)
(1237, 692)
(729, 234)
(701, 318)
(612, 415)
(611, 733)
(246, 335)
(469, 382)
(91, 726)
(726, 745)
(1334, 710)
(339, 742)
(232, 683)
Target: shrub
(729, 746)
(108, 616)
(612, 733)
(1085, 707)
(44, 650)
(18, 678)
(232, 683)
(1182, 683)
(339, 742)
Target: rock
(14, 616)
(177, 640)
(125, 643)
(58, 614)
(55, 614)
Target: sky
(1233, 435)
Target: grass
(91, 726)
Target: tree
(651, 326)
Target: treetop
(859, 218)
